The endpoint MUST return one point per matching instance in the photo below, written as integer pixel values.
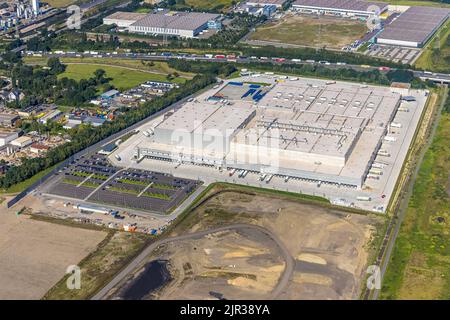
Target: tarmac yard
(296, 251)
(94, 179)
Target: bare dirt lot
(311, 31)
(330, 250)
(34, 254)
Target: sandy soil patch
(34, 255)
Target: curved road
(282, 283)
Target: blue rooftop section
(233, 83)
(258, 96)
(109, 147)
(248, 93)
(109, 94)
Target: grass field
(122, 78)
(156, 67)
(206, 4)
(60, 3)
(436, 56)
(420, 263)
(312, 32)
(125, 73)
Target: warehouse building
(8, 120)
(123, 19)
(51, 116)
(22, 142)
(204, 127)
(347, 8)
(262, 3)
(181, 24)
(7, 136)
(301, 128)
(414, 27)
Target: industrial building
(8, 120)
(169, 23)
(256, 8)
(22, 142)
(414, 27)
(7, 136)
(39, 148)
(262, 3)
(51, 116)
(301, 128)
(349, 8)
(123, 19)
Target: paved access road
(282, 282)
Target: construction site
(238, 245)
(342, 141)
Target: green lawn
(420, 264)
(436, 55)
(309, 31)
(143, 10)
(152, 66)
(122, 78)
(60, 3)
(205, 4)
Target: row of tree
(41, 85)
(85, 135)
(308, 70)
(227, 39)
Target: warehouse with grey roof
(301, 128)
(414, 27)
(351, 8)
(170, 23)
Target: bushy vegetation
(42, 85)
(309, 70)
(420, 262)
(85, 136)
(227, 40)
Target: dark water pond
(154, 276)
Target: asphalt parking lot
(93, 179)
(394, 54)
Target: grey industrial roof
(276, 2)
(178, 20)
(354, 5)
(126, 16)
(415, 24)
(4, 134)
(7, 116)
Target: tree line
(41, 85)
(307, 70)
(86, 135)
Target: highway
(156, 56)
(133, 265)
(284, 279)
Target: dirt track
(283, 281)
